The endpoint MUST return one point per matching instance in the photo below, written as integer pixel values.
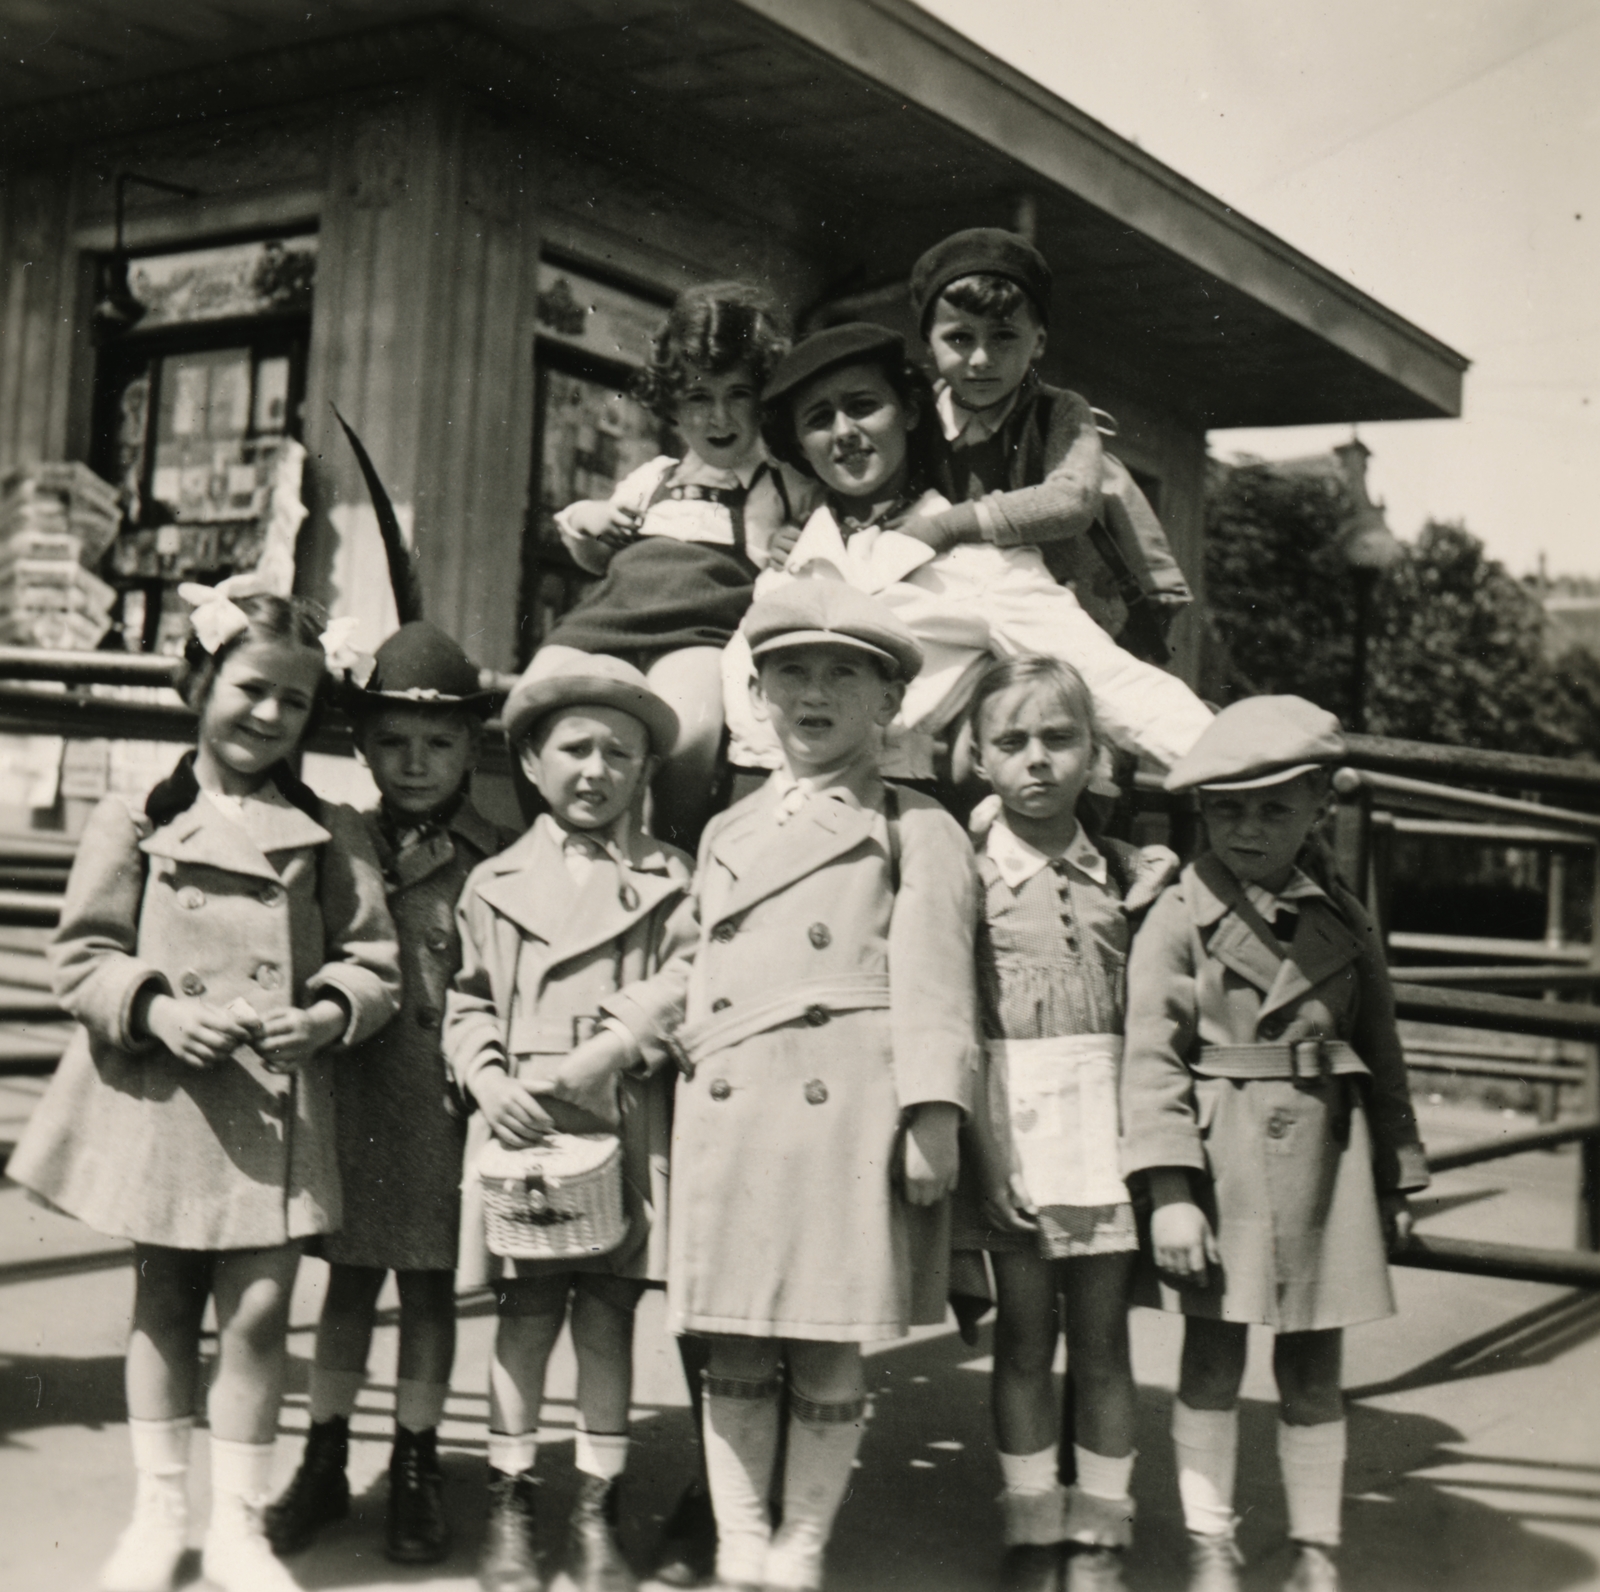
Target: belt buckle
(680, 1054)
(1321, 1063)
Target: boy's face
(983, 357)
(824, 702)
(1259, 833)
(589, 762)
(719, 417)
(852, 428)
(419, 757)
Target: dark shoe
(509, 1561)
(319, 1494)
(1214, 1563)
(1031, 1567)
(417, 1531)
(1315, 1569)
(594, 1561)
(688, 1552)
(1094, 1568)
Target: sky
(1442, 155)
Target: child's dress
(687, 578)
(541, 955)
(249, 900)
(1275, 1069)
(1052, 953)
(400, 1129)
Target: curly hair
(925, 444)
(984, 293)
(711, 329)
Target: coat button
(723, 933)
(270, 895)
(1273, 1028)
(819, 936)
(438, 939)
(192, 984)
(427, 1017)
(629, 898)
(720, 1089)
(816, 1092)
(721, 1004)
(1277, 1125)
(816, 1015)
(191, 897)
(269, 976)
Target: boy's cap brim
(823, 351)
(815, 613)
(588, 680)
(981, 251)
(1261, 781)
(1263, 740)
(421, 665)
(819, 638)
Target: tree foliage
(1457, 649)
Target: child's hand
(588, 1077)
(933, 1157)
(926, 529)
(290, 1036)
(195, 1031)
(511, 1108)
(1183, 1242)
(1155, 869)
(605, 521)
(782, 545)
(1008, 1207)
(1395, 1212)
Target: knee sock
(334, 1392)
(741, 1441)
(1312, 1461)
(511, 1453)
(602, 1454)
(1207, 1444)
(823, 1442)
(418, 1406)
(1099, 1508)
(1031, 1505)
(161, 1448)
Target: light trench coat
(819, 1004)
(539, 957)
(141, 1145)
(1291, 1168)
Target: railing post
(1589, 1148)
(1352, 825)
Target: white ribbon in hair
(338, 644)
(217, 619)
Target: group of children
(854, 1068)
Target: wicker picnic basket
(559, 1200)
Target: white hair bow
(338, 645)
(217, 619)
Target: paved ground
(1475, 1424)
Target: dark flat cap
(817, 612)
(1263, 740)
(421, 665)
(980, 251)
(838, 345)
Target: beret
(420, 664)
(1263, 740)
(813, 612)
(559, 677)
(838, 345)
(987, 251)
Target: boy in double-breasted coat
(827, 1054)
(1265, 1105)
(550, 929)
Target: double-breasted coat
(400, 1129)
(1292, 1167)
(829, 990)
(138, 1143)
(540, 954)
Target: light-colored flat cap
(1262, 740)
(817, 612)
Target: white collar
(1301, 887)
(969, 427)
(1017, 861)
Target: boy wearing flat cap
(1265, 1108)
(584, 903)
(825, 1028)
(419, 721)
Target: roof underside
(883, 127)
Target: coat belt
(799, 1002)
(1303, 1059)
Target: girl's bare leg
(690, 679)
(252, 1288)
(169, 1301)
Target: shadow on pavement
(52, 1390)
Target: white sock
(161, 1448)
(816, 1476)
(1312, 1461)
(1101, 1476)
(1207, 1444)
(334, 1392)
(602, 1454)
(418, 1406)
(511, 1453)
(241, 1470)
(741, 1442)
(1030, 1473)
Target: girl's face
(419, 757)
(1036, 752)
(853, 428)
(824, 703)
(591, 763)
(1259, 833)
(719, 417)
(256, 710)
